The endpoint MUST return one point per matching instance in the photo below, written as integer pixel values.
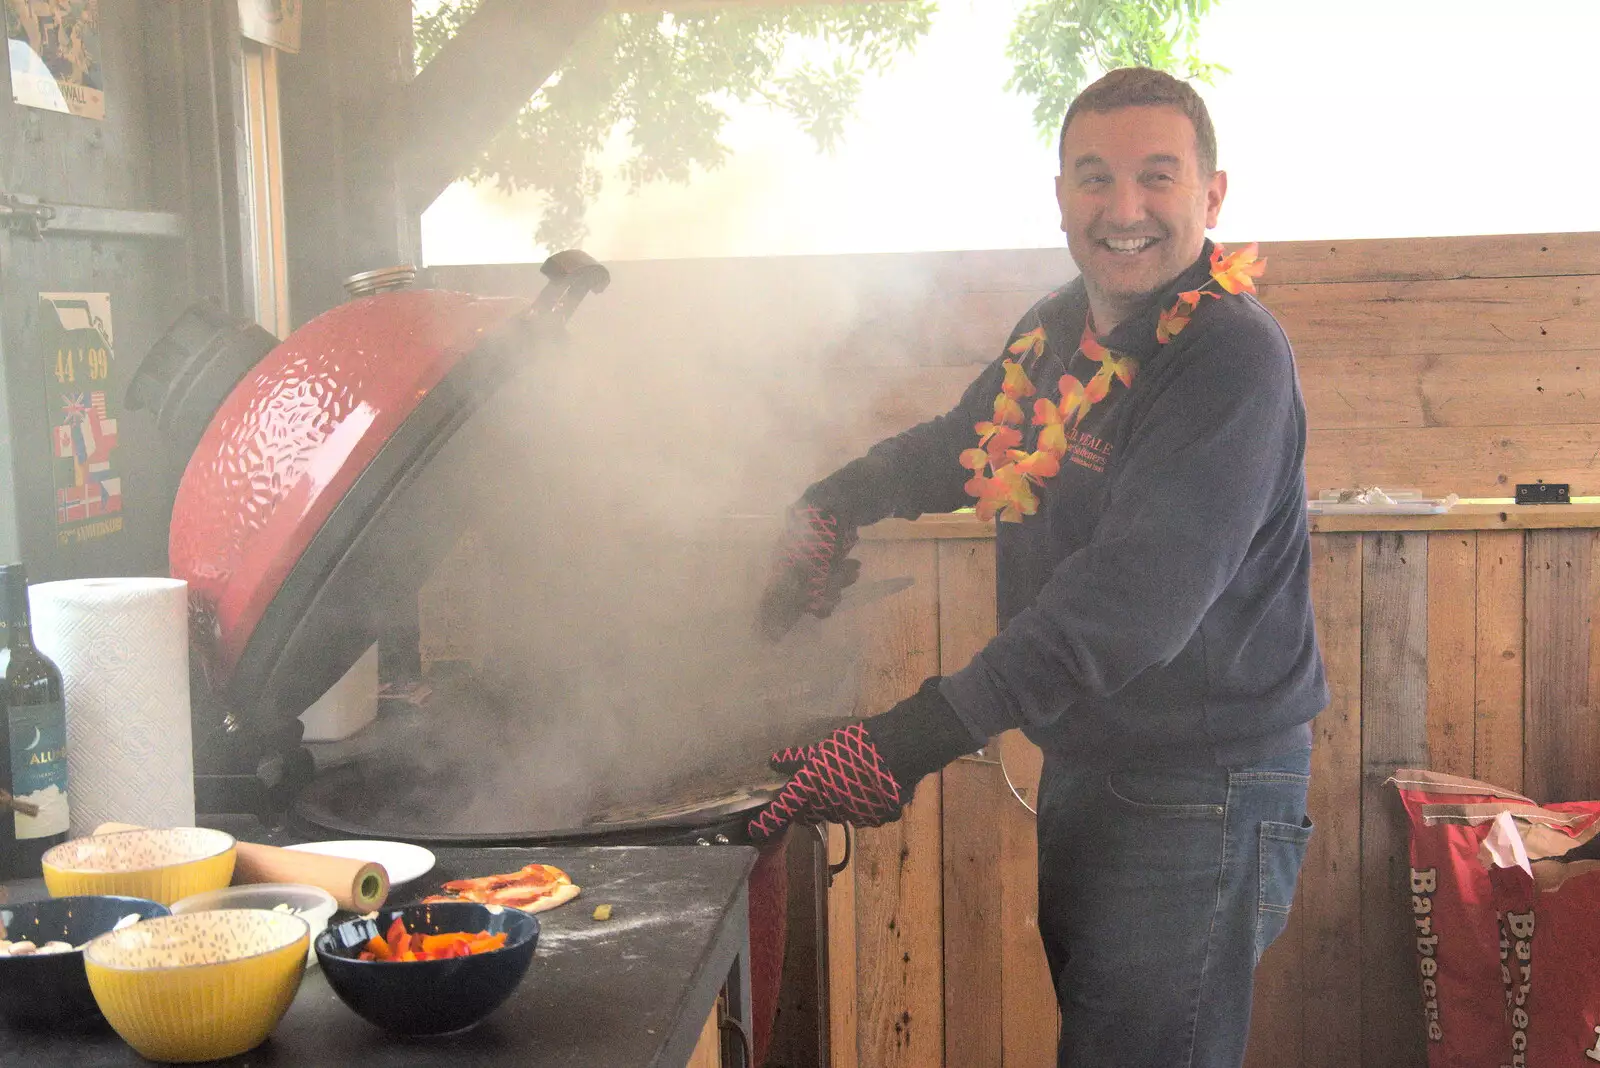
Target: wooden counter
(1461, 642)
(1489, 513)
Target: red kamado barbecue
(309, 466)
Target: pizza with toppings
(532, 888)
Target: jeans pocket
(1170, 793)
(1283, 849)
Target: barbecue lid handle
(573, 274)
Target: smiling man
(1142, 442)
(1138, 189)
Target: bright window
(269, 253)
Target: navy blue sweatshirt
(1157, 607)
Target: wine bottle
(34, 771)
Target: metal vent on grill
(401, 276)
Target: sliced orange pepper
(378, 947)
(485, 942)
(442, 942)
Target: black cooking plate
(474, 766)
(364, 801)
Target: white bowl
(311, 903)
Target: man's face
(1134, 205)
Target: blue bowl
(428, 997)
(51, 991)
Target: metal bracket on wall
(30, 216)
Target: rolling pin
(357, 885)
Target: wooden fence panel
(1330, 889)
(974, 958)
(1450, 365)
(974, 954)
(1452, 649)
(1032, 1022)
(1458, 315)
(999, 1012)
(1467, 461)
(898, 868)
(1350, 390)
(1394, 689)
(1563, 737)
(1398, 260)
(1498, 699)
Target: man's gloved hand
(811, 568)
(865, 773)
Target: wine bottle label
(39, 768)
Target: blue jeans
(1159, 889)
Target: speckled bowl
(51, 991)
(161, 864)
(198, 987)
(311, 903)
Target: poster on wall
(272, 22)
(75, 331)
(54, 47)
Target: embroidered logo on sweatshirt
(1086, 450)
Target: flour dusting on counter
(619, 925)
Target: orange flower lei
(1003, 476)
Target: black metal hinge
(1542, 492)
(25, 214)
(30, 216)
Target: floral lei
(1003, 476)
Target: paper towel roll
(122, 645)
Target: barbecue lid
(298, 523)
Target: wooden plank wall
(1450, 365)
(1433, 662)
(1471, 652)
(934, 952)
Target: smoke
(624, 489)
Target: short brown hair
(1132, 87)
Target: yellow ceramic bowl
(201, 986)
(161, 864)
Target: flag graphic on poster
(79, 361)
(54, 48)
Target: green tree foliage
(1058, 46)
(665, 80)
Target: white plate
(403, 861)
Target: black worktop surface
(631, 991)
